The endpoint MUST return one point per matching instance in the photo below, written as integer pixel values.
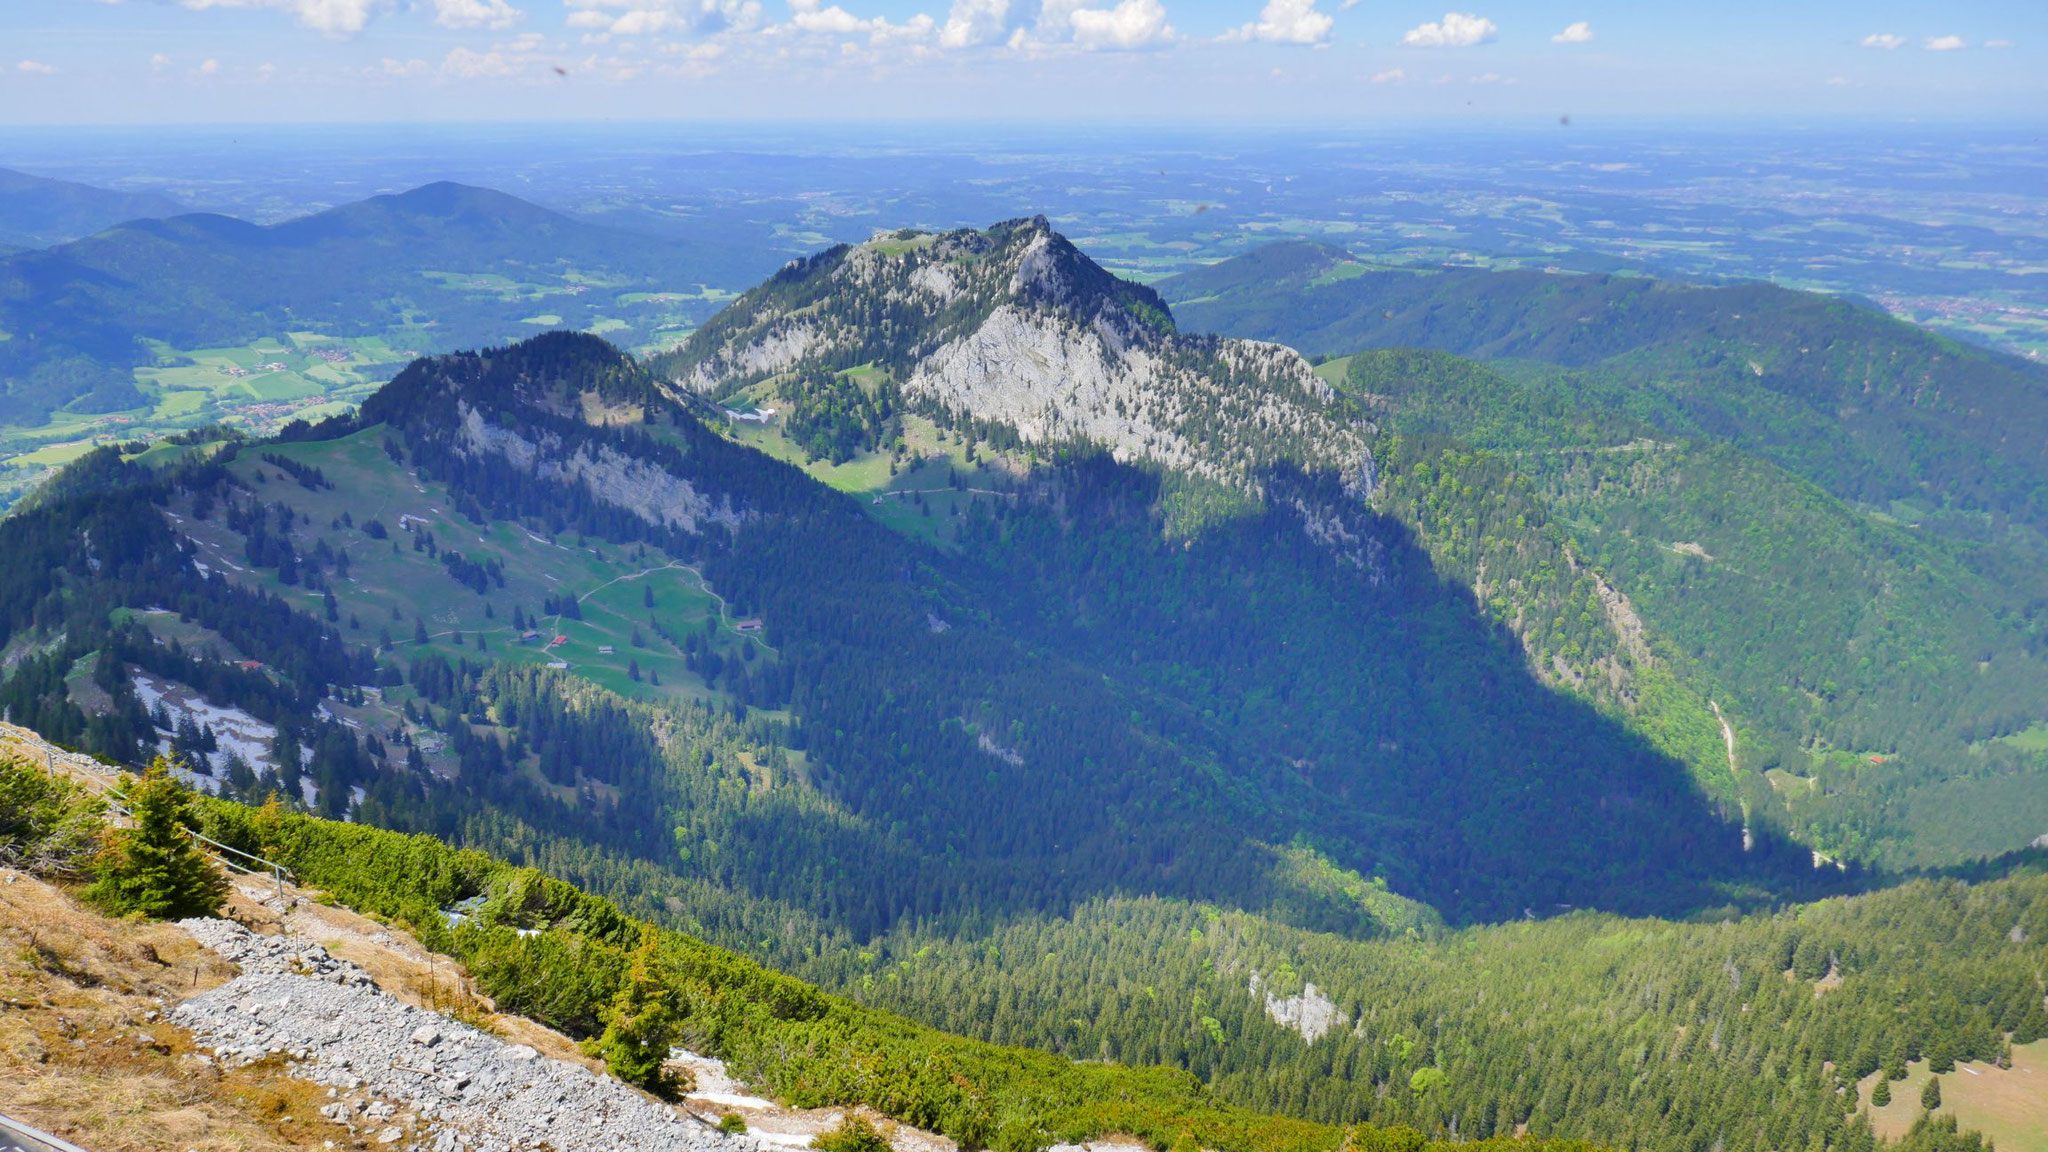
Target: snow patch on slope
(236, 732)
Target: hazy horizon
(1053, 61)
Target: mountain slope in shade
(1820, 518)
(1663, 565)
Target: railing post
(277, 873)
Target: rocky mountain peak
(1014, 325)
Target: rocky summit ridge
(1014, 326)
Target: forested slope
(543, 950)
(1749, 1034)
(1871, 408)
(1752, 1034)
(1815, 512)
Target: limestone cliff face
(1015, 326)
(1217, 409)
(1309, 1011)
(654, 495)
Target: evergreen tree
(1881, 1095)
(154, 869)
(1930, 1096)
(640, 1026)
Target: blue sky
(1294, 61)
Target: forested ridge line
(1750, 1033)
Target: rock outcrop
(1308, 1012)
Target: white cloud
(641, 21)
(1998, 43)
(332, 17)
(974, 22)
(1286, 22)
(695, 58)
(809, 16)
(1577, 32)
(207, 67)
(36, 67)
(1884, 40)
(468, 64)
(1055, 23)
(1130, 25)
(476, 14)
(1838, 81)
(158, 62)
(917, 29)
(405, 68)
(1390, 76)
(1458, 30)
(1490, 78)
(1945, 43)
(646, 17)
(806, 15)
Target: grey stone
(348, 1035)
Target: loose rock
(465, 1087)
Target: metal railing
(96, 778)
(18, 1137)
(226, 855)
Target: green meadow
(925, 492)
(398, 588)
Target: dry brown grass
(85, 1053)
